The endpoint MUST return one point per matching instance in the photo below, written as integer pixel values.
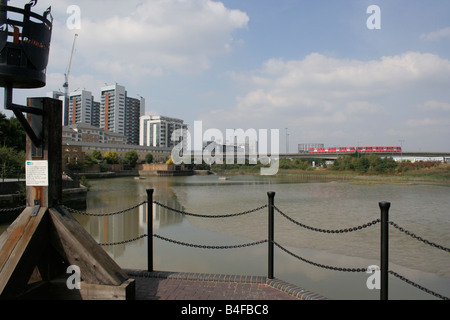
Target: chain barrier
(210, 247)
(325, 230)
(346, 230)
(318, 264)
(104, 214)
(395, 274)
(13, 209)
(124, 241)
(418, 238)
(210, 216)
(185, 243)
(361, 270)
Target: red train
(354, 149)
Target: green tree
(131, 158)
(111, 157)
(12, 133)
(12, 162)
(149, 158)
(96, 155)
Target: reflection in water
(111, 196)
(422, 209)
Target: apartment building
(134, 109)
(82, 132)
(156, 131)
(80, 107)
(112, 108)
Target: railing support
(150, 230)
(384, 206)
(271, 196)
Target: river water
(420, 209)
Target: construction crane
(66, 85)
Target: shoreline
(346, 176)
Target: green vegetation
(130, 158)
(149, 158)
(351, 166)
(12, 148)
(366, 164)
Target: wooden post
(39, 237)
(49, 128)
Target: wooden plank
(78, 248)
(22, 251)
(9, 238)
(126, 291)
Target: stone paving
(194, 286)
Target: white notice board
(36, 173)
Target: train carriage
(367, 149)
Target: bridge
(405, 155)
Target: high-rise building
(112, 108)
(80, 107)
(95, 114)
(120, 113)
(134, 109)
(156, 131)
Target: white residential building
(156, 131)
(80, 107)
(112, 108)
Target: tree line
(12, 148)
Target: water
(421, 209)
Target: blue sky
(310, 66)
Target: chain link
(210, 216)
(325, 230)
(124, 241)
(210, 247)
(318, 264)
(13, 209)
(264, 241)
(418, 238)
(418, 286)
(103, 214)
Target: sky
(314, 70)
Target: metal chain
(318, 264)
(325, 230)
(418, 286)
(124, 241)
(210, 247)
(13, 209)
(210, 216)
(418, 238)
(104, 214)
(363, 270)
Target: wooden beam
(126, 291)
(78, 248)
(21, 248)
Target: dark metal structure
(24, 50)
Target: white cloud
(434, 105)
(353, 98)
(147, 37)
(436, 35)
